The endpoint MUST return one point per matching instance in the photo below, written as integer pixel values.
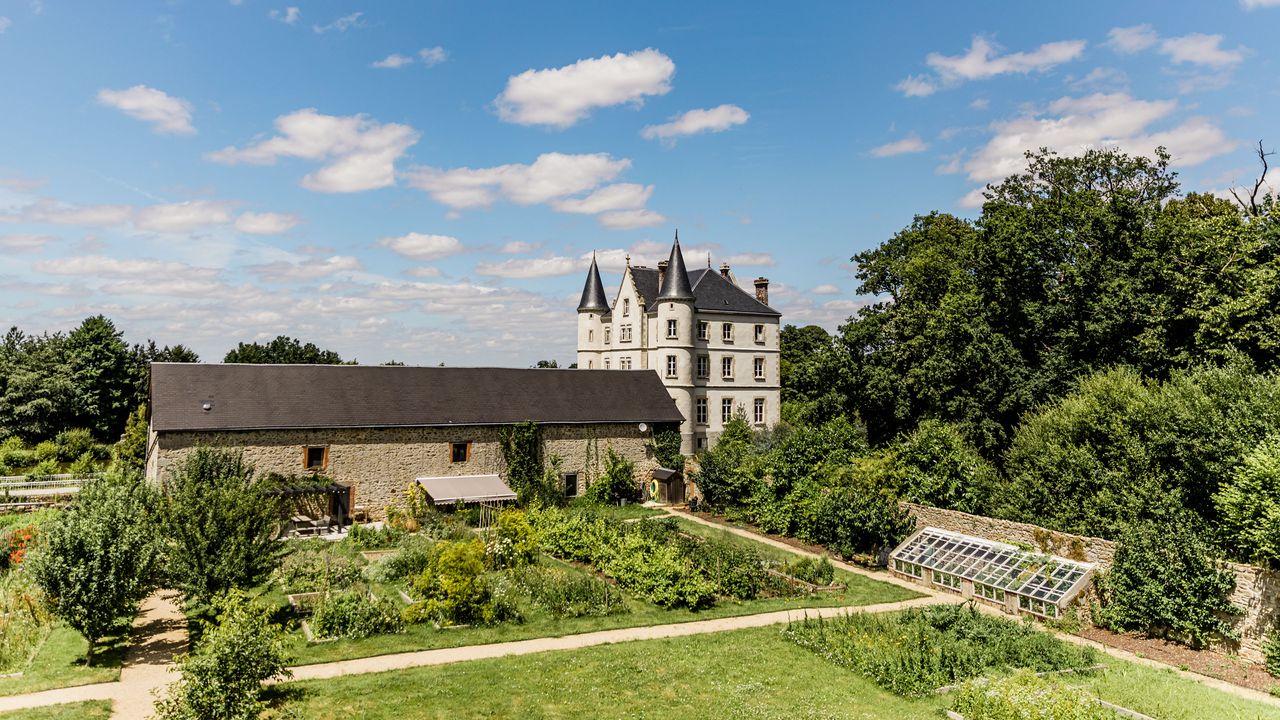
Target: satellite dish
(644, 427)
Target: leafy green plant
(24, 619)
(521, 446)
(311, 570)
(1023, 696)
(511, 541)
(453, 589)
(415, 555)
(917, 651)
(665, 446)
(223, 677)
(814, 572)
(568, 594)
(1271, 652)
(618, 482)
(367, 537)
(355, 615)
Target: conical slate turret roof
(675, 283)
(593, 298)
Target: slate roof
(260, 397)
(593, 298)
(675, 283)
(712, 293)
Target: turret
(675, 333)
(591, 309)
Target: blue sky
(422, 181)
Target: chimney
(724, 270)
(762, 290)
(662, 270)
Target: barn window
(459, 452)
(315, 457)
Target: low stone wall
(1257, 589)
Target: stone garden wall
(1257, 589)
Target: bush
(313, 570)
(511, 542)
(355, 615)
(367, 537)
(1271, 652)
(15, 454)
(453, 589)
(568, 594)
(71, 444)
(1165, 583)
(416, 555)
(24, 619)
(737, 570)
(1023, 696)
(1249, 506)
(46, 451)
(915, 652)
(851, 516)
(223, 677)
(618, 482)
(814, 572)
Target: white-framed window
(946, 580)
(726, 410)
(759, 333)
(704, 366)
(606, 363)
(626, 307)
(624, 333)
(702, 443)
(625, 363)
(907, 568)
(704, 329)
(607, 332)
(988, 592)
(758, 368)
(726, 367)
(757, 411)
(1038, 607)
(671, 366)
(700, 411)
(673, 329)
(726, 332)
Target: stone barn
(378, 429)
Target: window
(726, 410)
(726, 331)
(624, 363)
(626, 307)
(624, 333)
(700, 411)
(315, 457)
(606, 335)
(591, 336)
(570, 484)
(704, 366)
(726, 367)
(671, 366)
(907, 568)
(673, 328)
(759, 333)
(704, 330)
(606, 363)
(702, 443)
(1038, 607)
(591, 364)
(459, 452)
(988, 592)
(946, 580)
(758, 368)
(757, 411)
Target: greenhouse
(1016, 579)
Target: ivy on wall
(522, 451)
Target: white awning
(466, 488)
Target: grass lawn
(741, 674)
(90, 710)
(859, 591)
(60, 663)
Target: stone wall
(1257, 589)
(381, 463)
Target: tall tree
(283, 350)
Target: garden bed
(1234, 670)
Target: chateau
(714, 345)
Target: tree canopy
(283, 351)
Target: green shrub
(71, 444)
(851, 516)
(45, 451)
(917, 651)
(355, 615)
(416, 554)
(453, 589)
(1023, 696)
(616, 484)
(1271, 651)
(223, 677)
(48, 466)
(568, 594)
(312, 570)
(815, 572)
(511, 541)
(1164, 582)
(15, 454)
(24, 619)
(367, 537)
(737, 570)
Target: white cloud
(551, 177)
(181, 217)
(419, 246)
(53, 212)
(360, 153)
(5, 23)
(827, 289)
(424, 272)
(311, 269)
(167, 114)
(1255, 4)
(433, 56)
(21, 184)
(526, 268)
(1071, 125)
(24, 243)
(139, 268)
(630, 219)
(393, 61)
(1129, 40)
(288, 16)
(342, 24)
(716, 119)
(749, 259)
(516, 247)
(622, 196)
(1201, 49)
(917, 86)
(981, 61)
(560, 97)
(980, 104)
(265, 223)
(909, 144)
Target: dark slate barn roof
(259, 397)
